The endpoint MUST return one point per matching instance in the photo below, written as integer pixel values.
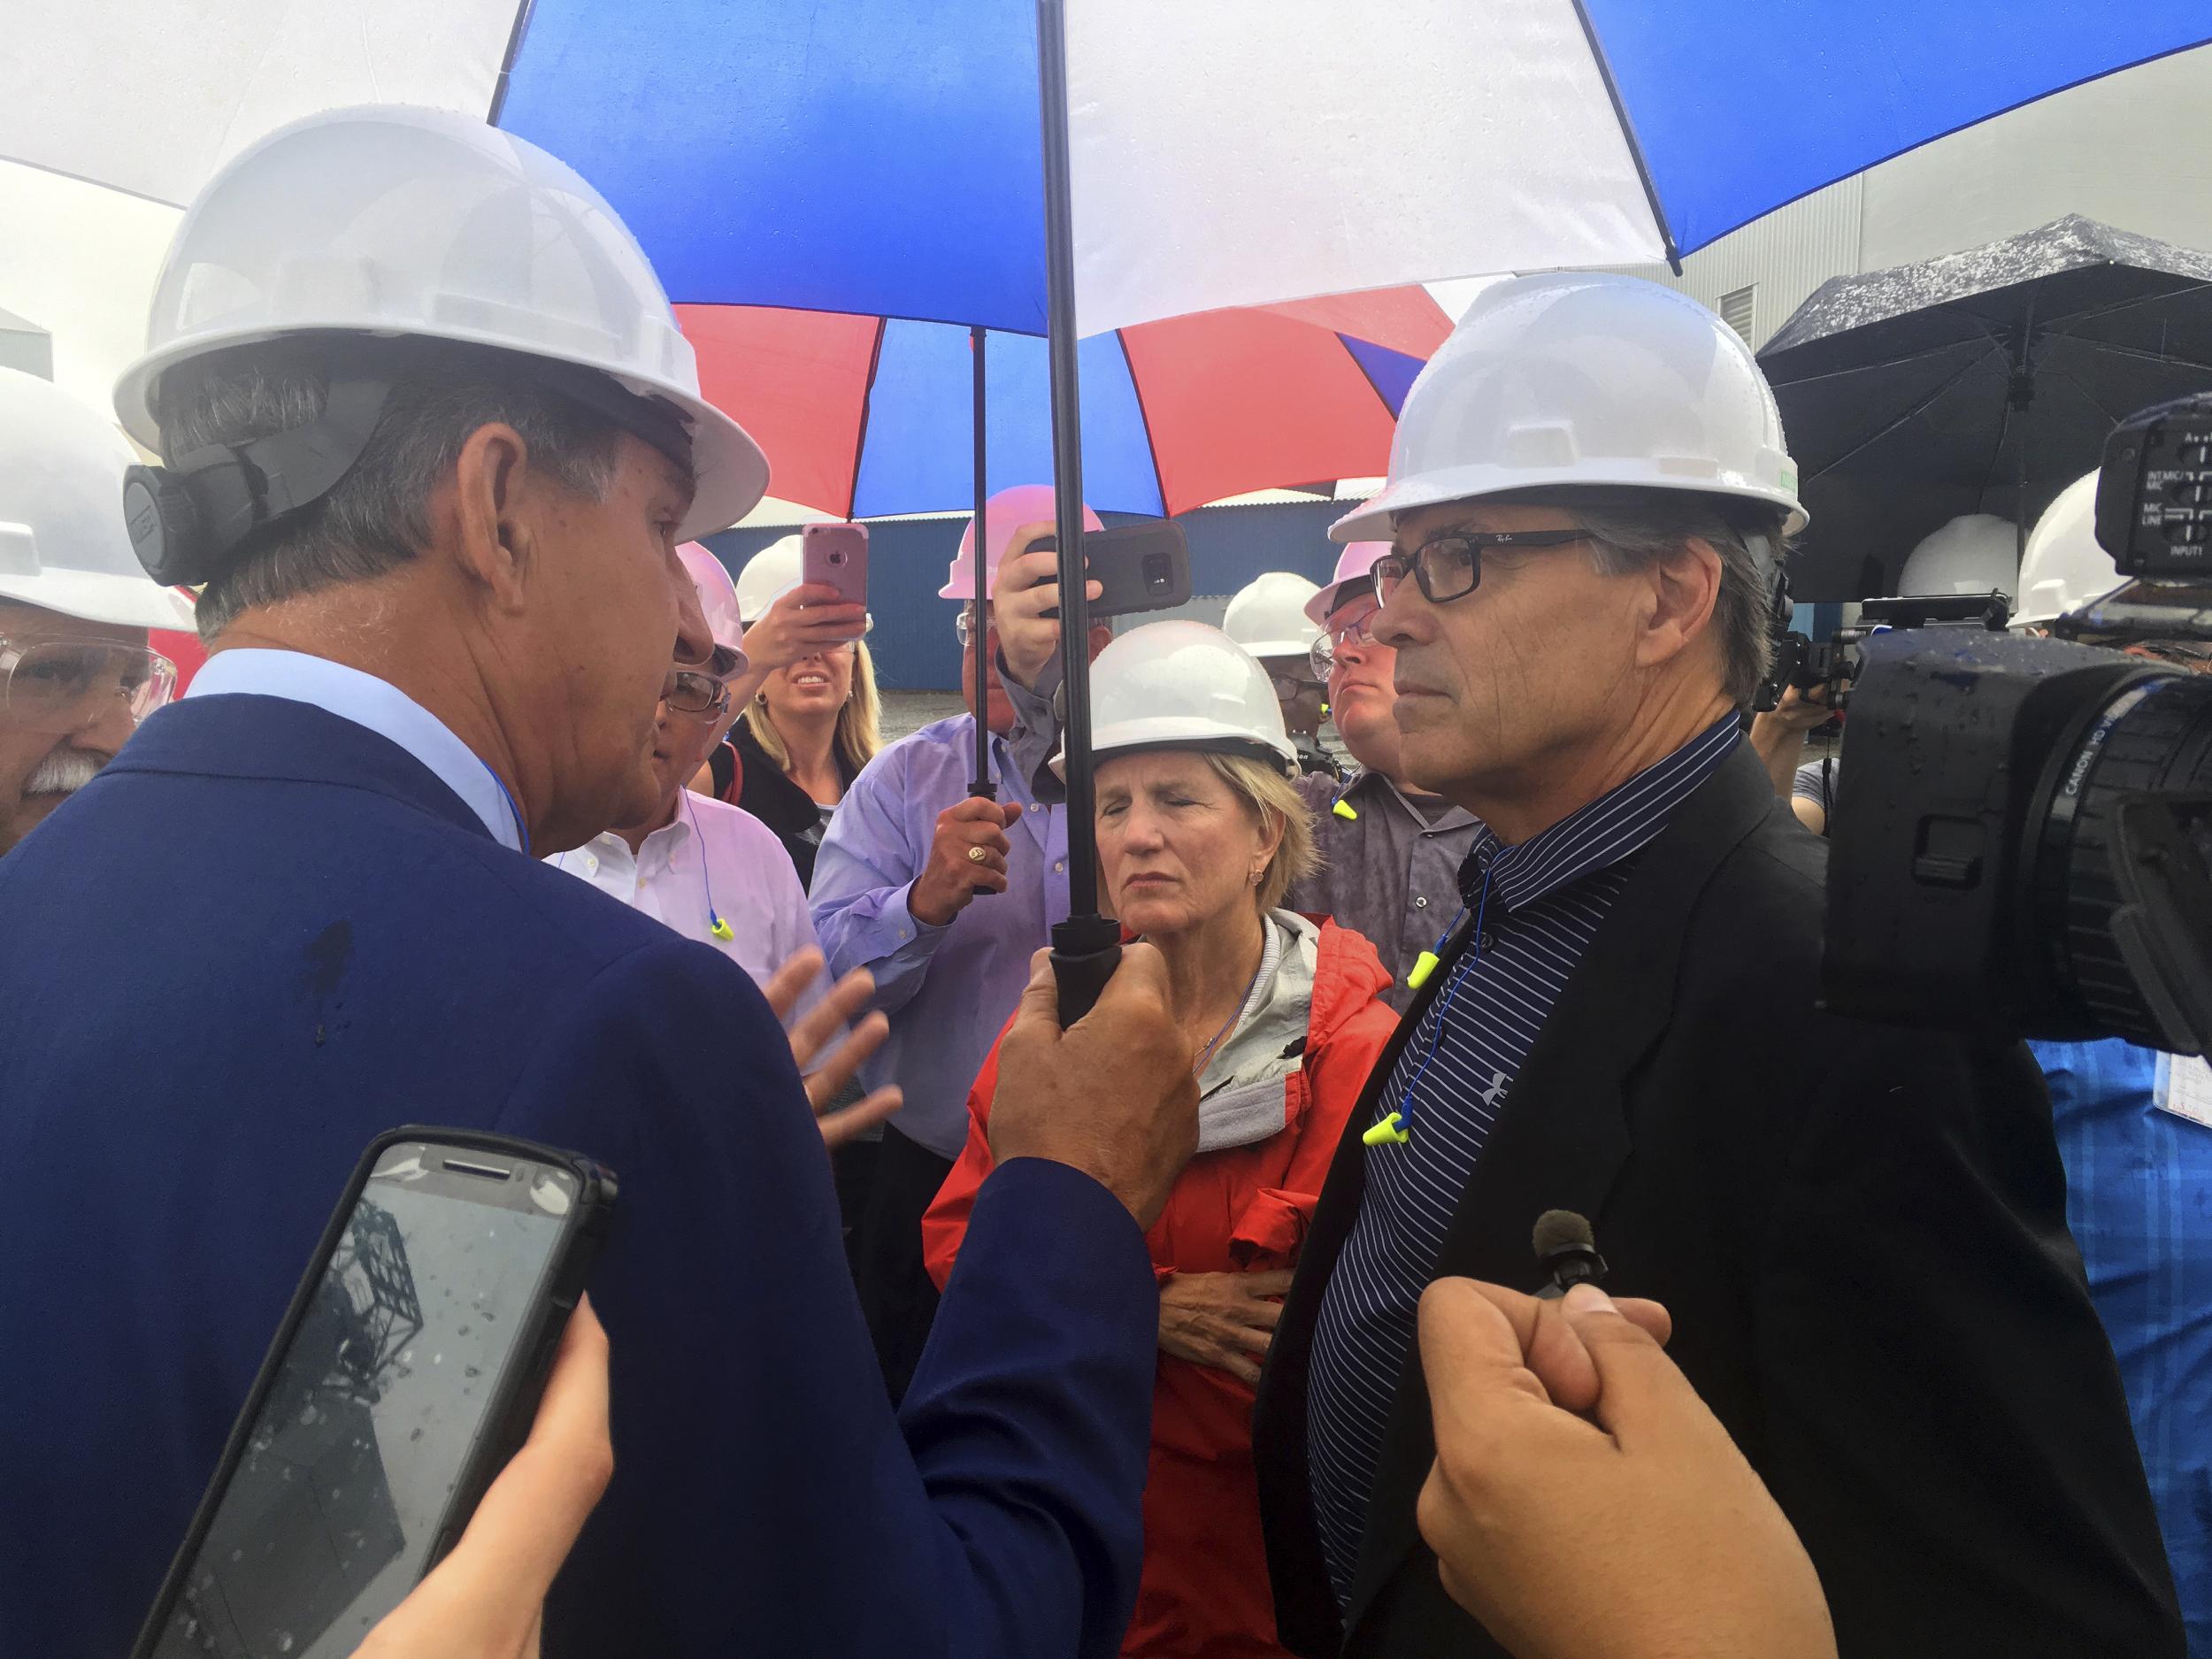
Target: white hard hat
(1003, 514)
(718, 599)
(388, 220)
(1581, 379)
(2064, 568)
(766, 575)
(1268, 616)
(1975, 553)
(1352, 566)
(63, 543)
(1183, 685)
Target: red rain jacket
(1204, 1593)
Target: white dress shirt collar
(377, 704)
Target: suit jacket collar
(238, 735)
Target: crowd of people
(1207, 1327)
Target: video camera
(2021, 842)
(1832, 665)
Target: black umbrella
(1983, 381)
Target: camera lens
(2151, 737)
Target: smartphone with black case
(1139, 566)
(406, 1372)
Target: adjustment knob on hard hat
(1183, 685)
(1579, 378)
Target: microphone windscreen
(1556, 1229)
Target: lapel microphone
(1567, 1252)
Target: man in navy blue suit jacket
(299, 909)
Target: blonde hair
(856, 739)
(1263, 787)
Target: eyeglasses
(1290, 688)
(964, 626)
(691, 691)
(62, 685)
(1450, 567)
(1355, 633)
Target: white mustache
(65, 770)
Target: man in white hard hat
(76, 675)
(2135, 1129)
(1858, 1230)
(1267, 616)
(1390, 849)
(944, 896)
(434, 489)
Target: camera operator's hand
(1112, 1094)
(485, 1600)
(953, 875)
(1027, 584)
(1777, 735)
(1585, 1504)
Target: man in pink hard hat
(895, 888)
(1391, 851)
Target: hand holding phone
(406, 1372)
(484, 1601)
(836, 556)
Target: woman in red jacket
(1199, 834)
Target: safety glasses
(1450, 567)
(1354, 631)
(963, 625)
(66, 685)
(693, 691)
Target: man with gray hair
(1860, 1231)
(76, 673)
(431, 437)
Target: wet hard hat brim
(122, 602)
(1370, 520)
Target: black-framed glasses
(1357, 632)
(1290, 688)
(1450, 567)
(62, 685)
(693, 691)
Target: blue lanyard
(1397, 1128)
(716, 925)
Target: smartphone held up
(406, 1372)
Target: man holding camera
(1859, 1231)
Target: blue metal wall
(913, 641)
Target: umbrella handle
(1085, 950)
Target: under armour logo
(1497, 1087)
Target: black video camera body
(2021, 842)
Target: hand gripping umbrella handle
(1085, 950)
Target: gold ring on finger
(976, 855)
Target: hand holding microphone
(1585, 1504)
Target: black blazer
(770, 796)
(1861, 1233)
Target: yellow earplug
(1423, 966)
(1347, 811)
(721, 929)
(1386, 1133)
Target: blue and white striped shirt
(1544, 899)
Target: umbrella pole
(1086, 946)
(978, 604)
